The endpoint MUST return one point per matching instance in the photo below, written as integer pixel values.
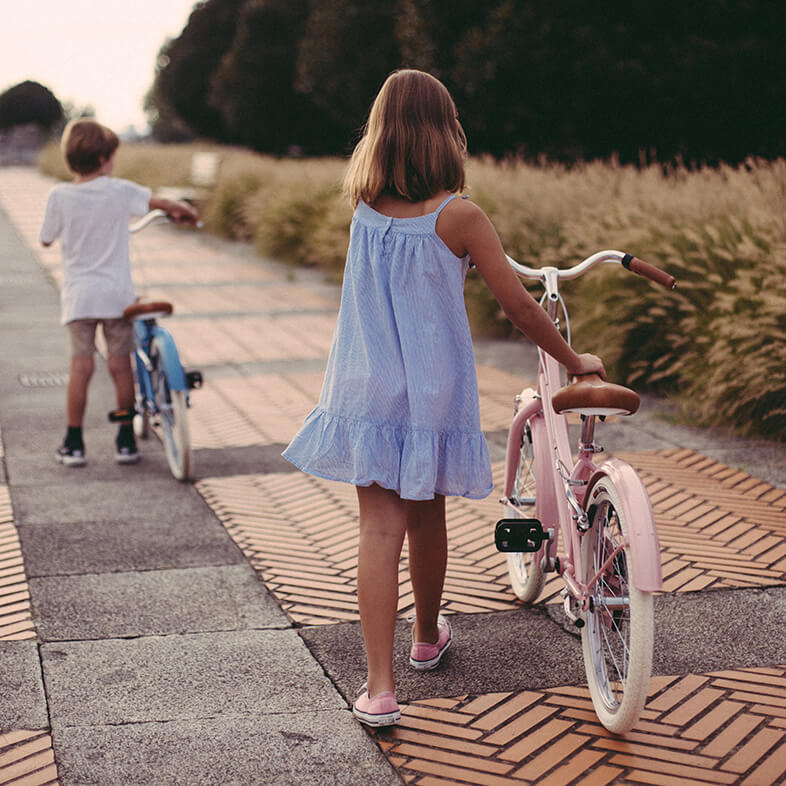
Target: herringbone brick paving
(722, 727)
(16, 622)
(718, 527)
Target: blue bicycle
(162, 384)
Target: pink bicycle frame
(557, 473)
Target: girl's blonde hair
(413, 145)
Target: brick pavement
(262, 338)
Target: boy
(90, 216)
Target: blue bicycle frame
(144, 332)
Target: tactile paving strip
(15, 618)
(27, 758)
(719, 528)
(725, 727)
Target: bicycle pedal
(194, 380)
(121, 415)
(519, 535)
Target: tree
(186, 65)
(252, 89)
(30, 102)
(346, 52)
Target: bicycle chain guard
(519, 535)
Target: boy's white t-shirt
(91, 220)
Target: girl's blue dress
(399, 403)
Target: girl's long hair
(413, 145)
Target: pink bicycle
(610, 557)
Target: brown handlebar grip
(649, 271)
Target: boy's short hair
(86, 145)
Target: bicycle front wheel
(617, 639)
(173, 412)
(524, 569)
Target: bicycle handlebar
(628, 261)
(155, 217)
(648, 271)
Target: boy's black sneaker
(125, 450)
(71, 457)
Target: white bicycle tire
(175, 433)
(617, 710)
(525, 572)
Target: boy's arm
(179, 211)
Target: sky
(100, 53)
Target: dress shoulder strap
(445, 202)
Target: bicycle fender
(644, 543)
(530, 406)
(169, 356)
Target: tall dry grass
(717, 342)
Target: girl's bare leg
(383, 522)
(428, 556)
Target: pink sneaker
(425, 657)
(382, 710)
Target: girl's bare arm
(465, 228)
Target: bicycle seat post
(587, 446)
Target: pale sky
(96, 52)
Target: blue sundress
(399, 402)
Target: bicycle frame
(145, 330)
(566, 487)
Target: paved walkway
(156, 632)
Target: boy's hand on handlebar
(588, 364)
(183, 213)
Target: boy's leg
(123, 377)
(119, 336)
(79, 375)
(428, 556)
(82, 337)
(120, 343)
(383, 522)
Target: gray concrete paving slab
(102, 500)
(719, 629)
(222, 462)
(187, 677)
(513, 650)
(152, 603)
(22, 702)
(308, 749)
(117, 545)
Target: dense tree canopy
(704, 80)
(29, 102)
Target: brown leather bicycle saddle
(139, 309)
(590, 395)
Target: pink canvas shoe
(382, 710)
(425, 657)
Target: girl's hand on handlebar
(588, 364)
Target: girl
(398, 414)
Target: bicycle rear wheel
(173, 410)
(524, 569)
(618, 637)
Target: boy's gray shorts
(118, 334)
